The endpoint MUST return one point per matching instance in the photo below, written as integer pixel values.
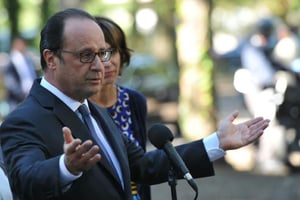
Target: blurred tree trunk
(45, 11)
(167, 18)
(197, 115)
(13, 9)
(63, 4)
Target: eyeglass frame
(79, 54)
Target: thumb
(233, 115)
(67, 135)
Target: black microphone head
(159, 135)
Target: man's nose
(98, 64)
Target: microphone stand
(172, 182)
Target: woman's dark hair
(52, 33)
(115, 36)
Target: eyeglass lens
(88, 57)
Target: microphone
(161, 137)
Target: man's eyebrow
(93, 50)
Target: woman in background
(127, 107)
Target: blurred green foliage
(158, 73)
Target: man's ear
(50, 58)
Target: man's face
(76, 79)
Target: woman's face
(112, 68)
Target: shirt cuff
(211, 144)
(5, 190)
(66, 177)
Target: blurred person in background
(19, 73)
(259, 76)
(287, 49)
(127, 107)
(287, 54)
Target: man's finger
(67, 135)
(253, 121)
(233, 115)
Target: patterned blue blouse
(122, 115)
(129, 114)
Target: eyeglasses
(89, 56)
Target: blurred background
(186, 61)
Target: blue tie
(85, 113)
(88, 122)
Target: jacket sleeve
(29, 162)
(153, 166)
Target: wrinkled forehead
(82, 32)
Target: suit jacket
(138, 109)
(32, 142)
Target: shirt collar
(71, 103)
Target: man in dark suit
(19, 73)
(50, 152)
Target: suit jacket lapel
(70, 119)
(114, 137)
(79, 130)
